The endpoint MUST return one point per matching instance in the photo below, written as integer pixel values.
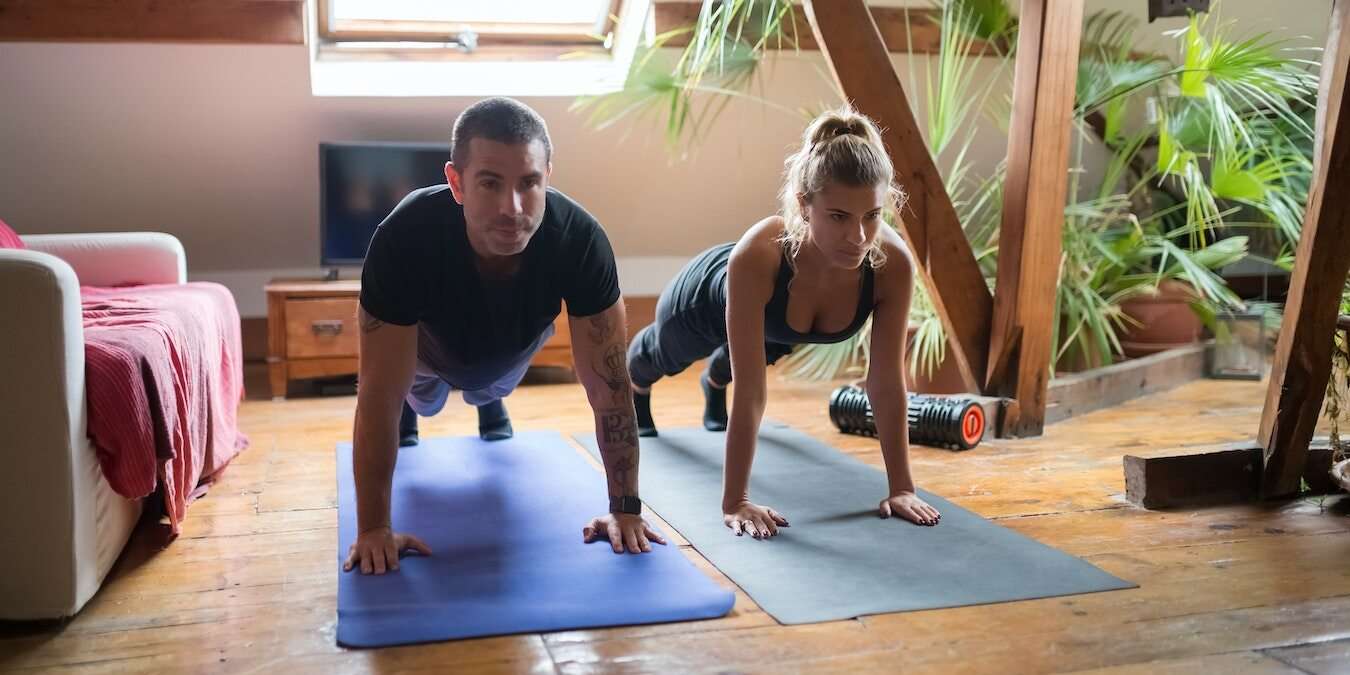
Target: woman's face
(843, 220)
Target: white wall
(217, 144)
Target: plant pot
(1160, 322)
(946, 378)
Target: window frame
(441, 39)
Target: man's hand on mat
(760, 522)
(907, 505)
(378, 549)
(625, 531)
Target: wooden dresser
(312, 332)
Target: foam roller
(944, 421)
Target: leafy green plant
(724, 51)
(1219, 139)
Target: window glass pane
(515, 11)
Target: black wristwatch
(625, 504)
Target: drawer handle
(329, 327)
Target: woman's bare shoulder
(898, 271)
(760, 245)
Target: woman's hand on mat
(907, 505)
(378, 549)
(625, 531)
(757, 521)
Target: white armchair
(61, 525)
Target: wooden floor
(250, 586)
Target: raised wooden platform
(251, 586)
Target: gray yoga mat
(838, 559)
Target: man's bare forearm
(611, 395)
(375, 431)
(616, 431)
(373, 462)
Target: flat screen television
(360, 183)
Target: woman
(784, 283)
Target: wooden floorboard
(250, 585)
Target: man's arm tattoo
(612, 367)
(619, 449)
(602, 327)
(618, 427)
(625, 469)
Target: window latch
(467, 41)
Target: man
(462, 283)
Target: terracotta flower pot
(1160, 322)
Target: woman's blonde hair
(841, 146)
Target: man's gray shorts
(430, 391)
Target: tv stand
(312, 332)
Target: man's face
(502, 191)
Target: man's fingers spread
(391, 554)
(378, 555)
(643, 544)
(630, 539)
(366, 566)
(587, 533)
(615, 539)
(417, 545)
(654, 535)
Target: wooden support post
(853, 47)
(1033, 208)
(1302, 364)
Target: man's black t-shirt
(420, 269)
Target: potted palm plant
(1228, 145)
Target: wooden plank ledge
(1079, 393)
(1213, 475)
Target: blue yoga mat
(504, 523)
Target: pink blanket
(164, 377)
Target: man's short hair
(500, 119)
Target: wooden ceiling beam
(218, 21)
